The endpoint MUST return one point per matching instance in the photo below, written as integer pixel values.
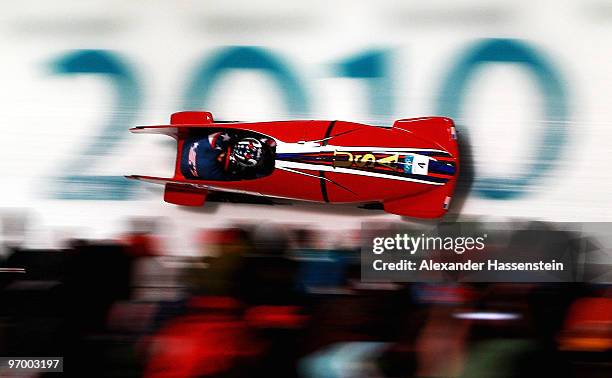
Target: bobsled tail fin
(191, 118)
(176, 192)
(178, 121)
(430, 204)
(153, 179)
(184, 195)
(172, 131)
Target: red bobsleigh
(410, 168)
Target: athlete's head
(247, 152)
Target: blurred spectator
(588, 327)
(217, 271)
(211, 340)
(275, 306)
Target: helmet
(247, 152)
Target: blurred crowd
(279, 301)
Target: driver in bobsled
(220, 156)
